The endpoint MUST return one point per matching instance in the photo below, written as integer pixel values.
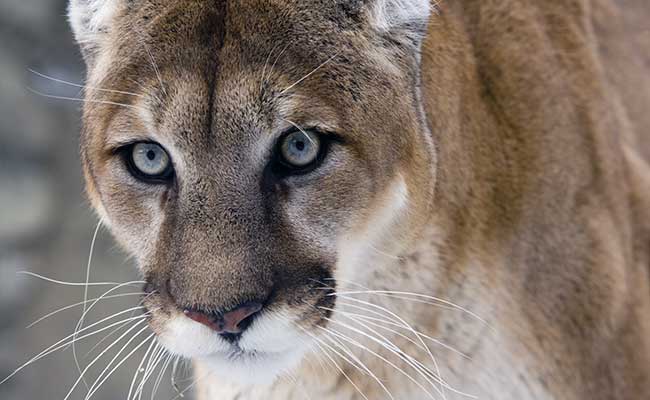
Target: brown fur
(521, 132)
(535, 166)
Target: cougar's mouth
(265, 350)
(250, 343)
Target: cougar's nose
(231, 324)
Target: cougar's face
(249, 155)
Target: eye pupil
(151, 155)
(300, 145)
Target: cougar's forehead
(232, 49)
(216, 81)
(212, 38)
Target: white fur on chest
(499, 368)
(497, 371)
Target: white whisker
(188, 388)
(83, 313)
(76, 99)
(427, 374)
(105, 338)
(303, 131)
(348, 358)
(151, 367)
(62, 343)
(158, 380)
(389, 293)
(103, 296)
(150, 94)
(369, 320)
(318, 343)
(403, 324)
(293, 380)
(155, 68)
(88, 264)
(116, 329)
(275, 62)
(340, 345)
(416, 364)
(153, 344)
(86, 87)
(410, 328)
(309, 74)
(83, 373)
(266, 63)
(337, 280)
(79, 324)
(124, 360)
(158, 350)
(383, 253)
(98, 384)
(35, 275)
(388, 362)
(173, 382)
(60, 310)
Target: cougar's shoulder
(541, 170)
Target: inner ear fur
(90, 21)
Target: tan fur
(502, 166)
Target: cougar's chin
(270, 347)
(252, 368)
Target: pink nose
(233, 322)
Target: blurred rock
(30, 15)
(27, 208)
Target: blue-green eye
(300, 149)
(150, 161)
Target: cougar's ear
(91, 20)
(403, 20)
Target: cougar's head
(249, 155)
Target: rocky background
(46, 225)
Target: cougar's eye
(300, 149)
(149, 162)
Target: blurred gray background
(46, 225)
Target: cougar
(380, 199)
